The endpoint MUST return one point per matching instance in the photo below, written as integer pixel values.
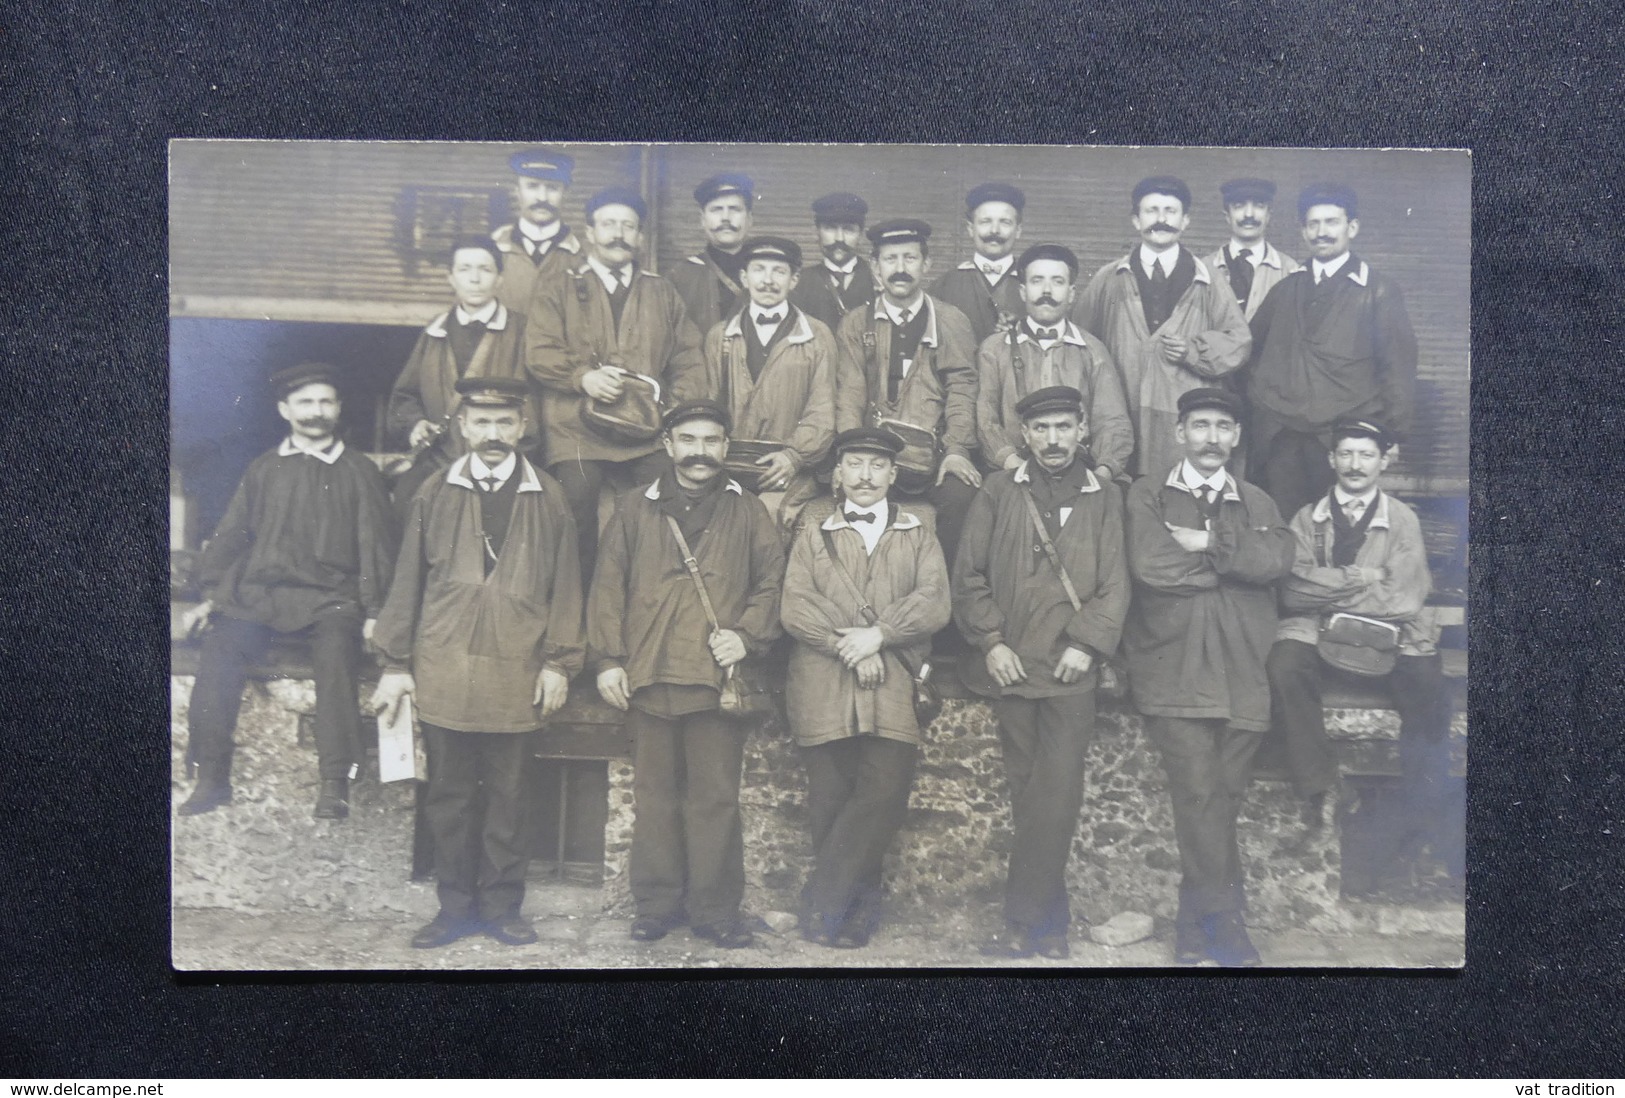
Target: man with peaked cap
(985, 287)
(710, 283)
(1169, 324)
(842, 280)
(1205, 551)
(305, 549)
(482, 629)
(864, 592)
(773, 367)
(1040, 590)
(659, 659)
(1044, 350)
(1250, 263)
(538, 243)
(1360, 552)
(908, 364)
(1331, 341)
(602, 319)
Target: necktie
(857, 516)
(902, 316)
(1352, 511)
(1045, 335)
(769, 320)
(1241, 274)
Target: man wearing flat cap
(1040, 589)
(482, 629)
(864, 592)
(773, 367)
(908, 364)
(842, 280)
(1250, 263)
(602, 331)
(1332, 341)
(1360, 552)
(1205, 551)
(1170, 325)
(304, 550)
(538, 243)
(687, 586)
(986, 287)
(711, 283)
(1044, 350)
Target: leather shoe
(1228, 942)
(442, 930)
(1190, 944)
(1055, 947)
(728, 935)
(512, 930)
(849, 937)
(206, 797)
(333, 803)
(1010, 943)
(652, 928)
(819, 929)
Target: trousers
(1292, 467)
(857, 801)
(232, 645)
(477, 813)
(1044, 741)
(688, 844)
(583, 481)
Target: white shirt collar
(869, 531)
(483, 315)
(896, 314)
(850, 266)
(1344, 498)
(1166, 260)
(994, 269)
(1331, 268)
(1194, 479)
(328, 453)
(1257, 250)
(608, 276)
(478, 470)
(538, 236)
(781, 310)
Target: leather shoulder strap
(693, 567)
(1049, 551)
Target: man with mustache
(864, 592)
(711, 283)
(1331, 341)
(1360, 551)
(1250, 263)
(1205, 551)
(482, 629)
(305, 549)
(908, 364)
(843, 281)
(1044, 350)
(1040, 590)
(985, 287)
(589, 327)
(658, 659)
(538, 243)
(1168, 323)
(773, 367)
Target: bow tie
(1046, 334)
(988, 269)
(766, 319)
(858, 516)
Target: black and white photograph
(651, 556)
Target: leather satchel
(632, 417)
(743, 453)
(744, 696)
(1360, 646)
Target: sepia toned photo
(649, 556)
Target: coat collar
(1356, 270)
(801, 333)
(901, 520)
(458, 475)
(927, 303)
(1323, 511)
(1271, 256)
(505, 242)
(497, 323)
(326, 456)
(653, 491)
(1023, 475)
(1201, 275)
(1231, 492)
(1070, 333)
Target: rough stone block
(1124, 928)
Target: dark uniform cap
(1048, 251)
(724, 183)
(868, 440)
(618, 195)
(697, 409)
(1362, 428)
(995, 192)
(492, 392)
(772, 247)
(1055, 398)
(899, 230)
(1327, 194)
(840, 208)
(1162, 184)
(1247, 190)
(543, 164)
(297, 377)
(1222, 399)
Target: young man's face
(697, 448)
(1159, 220)
(769, 281)
(492, 433)
(864, 478)
(312, 411)
(1053, 438)
(900, 268)
(1208, 435)
(994, 228)
(473, 277)
(1328, 230)
(726, 221)
(839, 240)
(1248, 220)
(1358, 462)
(1046, 288)
(539, 200)
(613, 234)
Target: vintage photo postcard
(649, 556)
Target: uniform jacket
(815, 293)
(571, 329)
(1206, 315)
(792, 401)
(699, 283)
(987, 307)
(1360, 360)
(1202, 623)
(1007, 592)
(645, 614)
(905, 581)
(941, 397)
(1271, 268)
(426, 387)
(476, 643)
(1393, 542)
(520, 273)
(1079, 360)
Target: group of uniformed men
(977, 436)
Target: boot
(334, 801)
(212, 790)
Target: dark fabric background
(93, 91)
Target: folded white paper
(396, 759)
